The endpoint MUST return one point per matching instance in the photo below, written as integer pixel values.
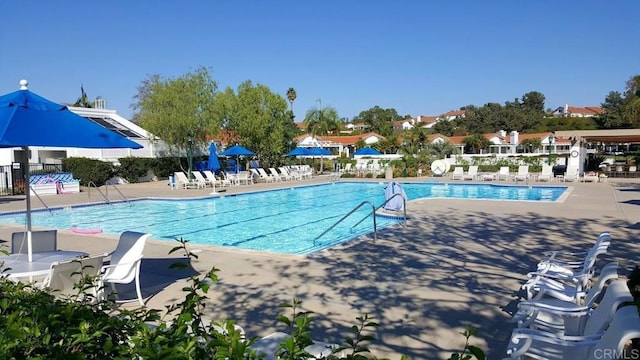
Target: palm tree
(291, 96)
(476, 142)
(321, 121)
(441, 149)
(83, 100)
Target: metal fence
(12, 176)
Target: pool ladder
(106, 196)
(373, 212)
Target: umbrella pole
(27, 192)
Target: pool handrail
(106, 197)
(33, 192)
(404, 208)
(373, 208)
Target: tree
(259, 118)
(614, 112)
(379, 120)
(321, 121)
(531, 145)
(291, 96)
(475, 143)
(441, 149)
(83, 100)
(632, 101)
(444, 127)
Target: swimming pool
(282, 221)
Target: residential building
(574, 111)
(338, 144)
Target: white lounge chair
(567, 318)
(268, 346)
(571, 174)
(201, 180)
(546, 174)
(458, 173)
(523, 173)
(212, 178)
(566, 272)
(472, 173)
(266, 177)
(625, 325)
(184, 182)
(503, 173)
(277, 175)
(66, 279)
(124, 266)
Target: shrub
(34, 324)
(89, 170)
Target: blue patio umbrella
(318, 151)
(213, 164)
(299, 151)
(237, 151)
(367, 151)
(27, 119)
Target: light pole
(552, 139)
(190, 155)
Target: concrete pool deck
(455, 262)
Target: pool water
(282, 221)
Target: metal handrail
(106, 196)
(404, 207)
(375, 230)
(39, 198)
(91, 184)
(118, 191)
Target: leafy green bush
(89, 170)
(133, 168)
(35, 324)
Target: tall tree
(291, 96)
(379, 120)
(180, 110)
(614, 112)
(320, 121)
(632, 101)
(258, 117)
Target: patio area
(456, 262)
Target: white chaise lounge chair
(546, 174)
(458, 173)
(523, 173)
(124, 266)
(472, 173)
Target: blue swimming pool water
(280, 221)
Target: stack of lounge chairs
(568, 315)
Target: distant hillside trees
(378, 119)
(622, 111)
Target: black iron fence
(12, 179)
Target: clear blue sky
(419, 57)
